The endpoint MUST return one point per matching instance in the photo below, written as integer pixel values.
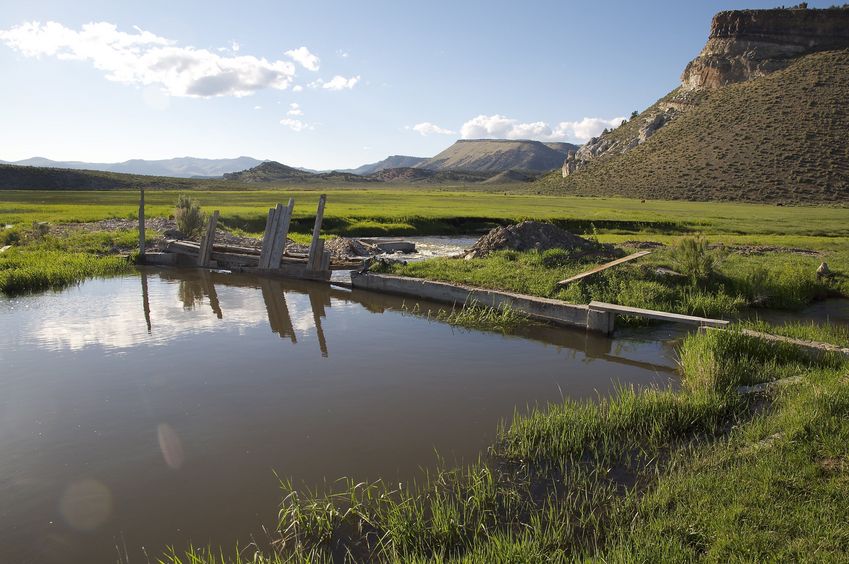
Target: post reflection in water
(196, 286)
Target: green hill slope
(783, 137)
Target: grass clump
(807, 331)
(474, 315)
(36, 270)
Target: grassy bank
(736, 281)
(701, 473)
(40, 261)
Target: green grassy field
(416, 211)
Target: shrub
(695, 260)
(190, 219)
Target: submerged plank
(659, 315)
(603, 267)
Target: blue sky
(329, 84)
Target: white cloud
(427, 128)
(143, 58)
(297, 88)
(342, 53)
(296, 124)
(339, 83)
(303, 56)
(294, 110)
(234, 46)
(502, 127)
(257, 107)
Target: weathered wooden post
(207, 241)
(317, 245)
(141, 226)
(278, 244)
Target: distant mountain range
(469, 156)
(182, 167)
(395, 161)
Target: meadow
(412, 210)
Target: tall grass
(33, 271)
(474, 315)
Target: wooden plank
(267, 246)
(316, 231)
(278, 243)
(266, 235)
(205, 250)
(603, 267)
(659, 315)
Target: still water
(154, 409)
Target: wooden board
(315, 252)
(278, 243)
(208, 240)
(603, 267)
(659, 315)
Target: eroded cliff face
(745, 44)
(742, 45)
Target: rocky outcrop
(745, 44)
(617, 142)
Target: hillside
(498, 155)
(182, 167)
(777, 136)
(394, 161)
(272, 171)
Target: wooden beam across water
(603, 267)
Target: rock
(344, 247)
(653, 123)
(174, 234)
(823, 271)
(745, 44)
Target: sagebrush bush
(190, 219)
(695, 260)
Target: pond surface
(155, 408)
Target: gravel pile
(528, 236)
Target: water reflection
(128, 419)
(197, 289)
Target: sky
(324, 84)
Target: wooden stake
(315, 253)
(208, 240)
(141, 226)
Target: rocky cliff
(746, 44)
(742, 45)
